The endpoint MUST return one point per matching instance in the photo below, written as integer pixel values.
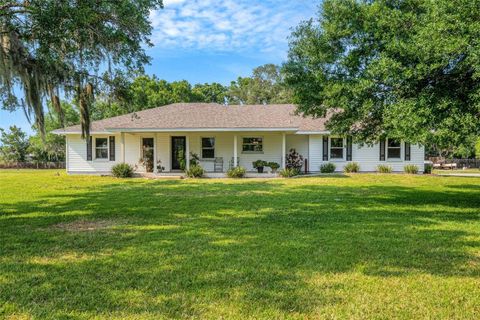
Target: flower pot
(260, 169)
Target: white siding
(367, 156)
(272, 148)
(310, 146)
(315, 152)
(77, 156)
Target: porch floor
(181, 175)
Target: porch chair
(218, 164)
(232, 161)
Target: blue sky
(214, 40)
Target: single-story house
(222, 136)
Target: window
(254, 145)
(101, 148)
(393, 149)
(336, 148)
(208, 148)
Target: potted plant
(259, 164)
(274, 166)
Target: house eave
(313, 132)
(199, 129)
(63, 133)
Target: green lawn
(346, 247)
(457, 171)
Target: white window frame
(330, 149)
(108, 149)
(253, 137)
(387, 150)
(210, 148)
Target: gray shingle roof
(208, 116)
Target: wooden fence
(461, 163)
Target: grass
(457, 171)
(347, 247)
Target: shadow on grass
(179, 245)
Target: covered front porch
(171, 153)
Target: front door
(178, 153)
(147, 154)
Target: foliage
(294, 160)
(122, 170)
(56, 48)
(410, 168)
(265, 86)
(195, 171)
(289, 172)
(51, 147)
(146, 92)
(351, 167)
(405, 68)
(13, 145)
(259, 164)
(194, 159)
(112, 235)
(237, 172)
(327, 167)
(428, 168)
(147, 159)
(383, 168)
(209, 92)
(273, 165)
(477, 149)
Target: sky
(213, 40)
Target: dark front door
(147, 153)
(178, 153)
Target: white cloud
(228, 25)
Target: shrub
(351, 167)
(194, 159)
(259, 164)
(383, 168)
(411, 169)
(294, 160)
(195, 172)
(122, 170)
(428, 168)
(327, 168)
(237, 172)
(289, 172)
(273, 165)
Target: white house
(223, 137)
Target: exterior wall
(77, 156)
(366, 156)
(309, 146)
(224, 145)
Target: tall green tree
(52, 48)
(13, 144)
(51, 147)
(401, 68)
(209, 92)
(265, 86)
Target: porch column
(187, 152)
(235, 151)
(122, 146)
(284, 149)
(155, 156)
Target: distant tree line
(264, 86)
